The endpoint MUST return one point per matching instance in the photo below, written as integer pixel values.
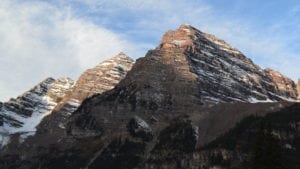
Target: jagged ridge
(223, 72)
(23, 114)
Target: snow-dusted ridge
(22, 115)
(225, 73)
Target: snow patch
(255, 100)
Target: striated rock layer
(96, 80)
(284, 86)
(184, 74)
(22, 114)
(93, 81)
(177, 81)
(223, 72)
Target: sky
(62, 38)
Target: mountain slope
(187, 70)
(101, 78)
(23, 114)
(93, 81)
(223, 72)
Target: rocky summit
(105, 76)
(192, 102)
(223, 73)
(21, 116)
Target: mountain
(22, 114)
(104, 77)
(222, 71)
(186, 73)
(54, 100)
(175, 108)
(101, 78)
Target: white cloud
(38, 40)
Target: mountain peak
(98, 79)
(21, 115)
(187, 37)
(213, 61)
(182, 37)
(122, 55)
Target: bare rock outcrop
(284, 86)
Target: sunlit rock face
(223, 72)
(104, 77)
(96, 80)
(21, 116)
(284, 86)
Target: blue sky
(62, 38)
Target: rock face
(187, 72)
(284, 86)
(101, 78)
(23, 114)
(93, 81)
(223, 72)
(63, 96)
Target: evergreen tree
(266, 149)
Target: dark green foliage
(10, 161)
(120, 154)
(257, 143)
(153, 106)
(217, 159)
(232, 138)
(57, 159)
(177, 138)
(267, 151)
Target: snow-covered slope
(23, 114)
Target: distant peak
(121, 53)
(48, 80)
(65, 80)
(186, 26)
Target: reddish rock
(285, 86)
